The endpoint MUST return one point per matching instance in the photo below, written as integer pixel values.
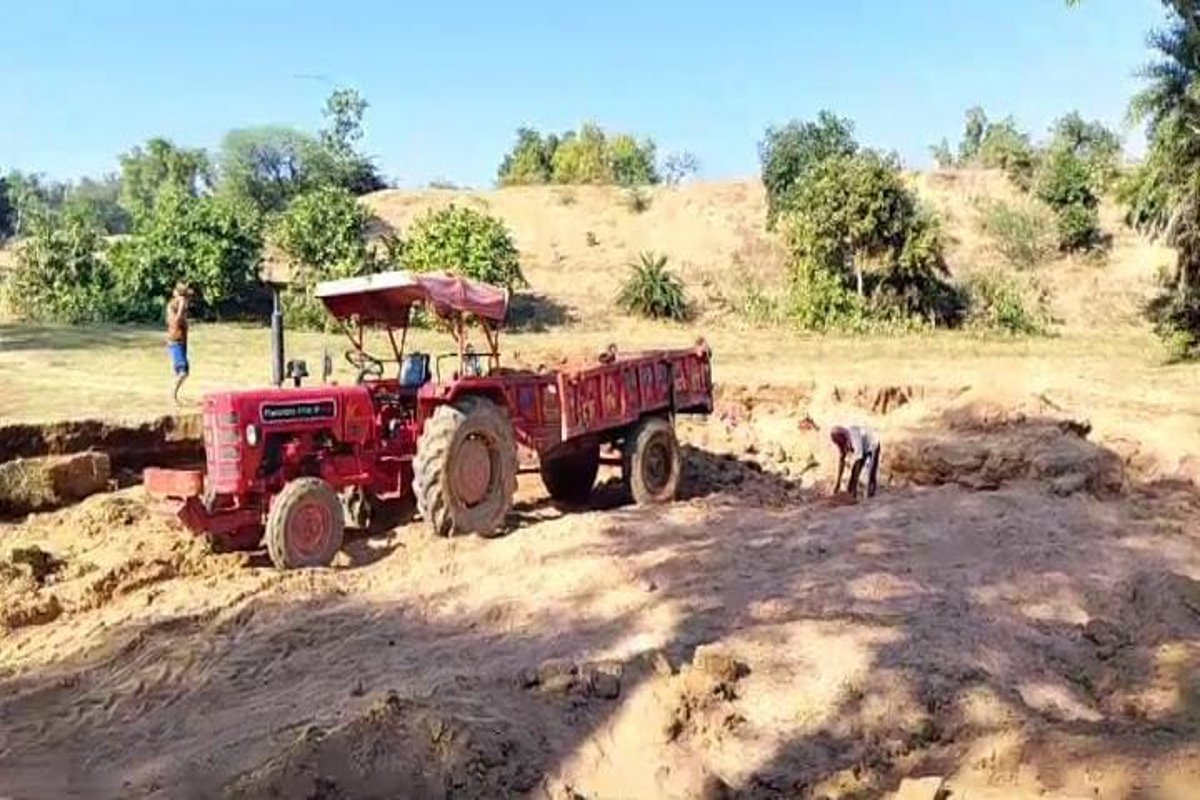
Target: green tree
(632, 163)
(344, 112)
(60, 274)
(851, 217)
(160, 166)
(1163, 194)
(214, 243)
(1066, 183)
(269, 166)
(35, 199)
(100, 202)
(583, 157)
(466, 242)
(531, 160)
(973, 132)
(325, 230)
(787, 153)
(993, 145)
(1092, 142)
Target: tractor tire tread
(431, 468)
(280, 553)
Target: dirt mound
(85, 557)
(402, 748)
(978, 449)
(36, 484)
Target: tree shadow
(532, 312)
(14, 338)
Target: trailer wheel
(652, 462)
(305, 526)
(465, 469)
(569, 477)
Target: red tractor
(292, 464)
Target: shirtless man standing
(177, 335)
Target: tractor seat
(414, 370)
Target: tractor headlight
(252, 435)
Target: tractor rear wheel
(569, 477)
(651, 462)
(465, 469)
(305, 525)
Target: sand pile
(402, 748)
(38, 484)
(984, 445)
(88, 556)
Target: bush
(637, 200)
(818, 300)
(1176, 319)
(1023, 234)
(213, 243)
(467, 242)
(1007, 303)
(325, 230)
(1065, 183)
(653, 291)
(678, 167)
(61, 275)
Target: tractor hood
(345, 410)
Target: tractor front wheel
(305, 525)
(465, 469)
(651, 462)
(570, 476)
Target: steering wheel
(367, 365)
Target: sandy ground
(1018, 612)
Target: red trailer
(293, 464)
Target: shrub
(60, 274)
(637, 200)
(325, 230)
(1176, 319)
(591, 239)
(467, 242)
(653, 291)
(1065, 183)
(213, 243)
(818, 300)
(1022, 233)
(1007, 303)
(678, 167)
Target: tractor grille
(222, 449)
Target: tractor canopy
(387, 298)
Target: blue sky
(449, 82)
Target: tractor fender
(488, 389)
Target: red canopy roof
(386, 298)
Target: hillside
(713, 233)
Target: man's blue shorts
(179, 359)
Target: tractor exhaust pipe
(276, 337)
